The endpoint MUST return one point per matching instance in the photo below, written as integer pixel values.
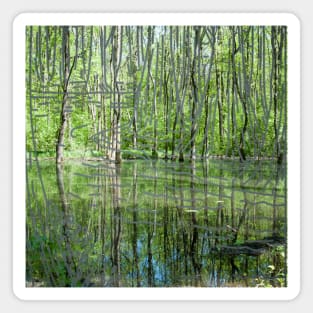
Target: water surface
(156, 224)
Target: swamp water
(156, 224)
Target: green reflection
(156, 224)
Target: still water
(156, 224)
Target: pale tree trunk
(154, 109)
(166, 76)
(219, 85)
(135, 67)
(185, 75)
(194, 89)
(277, 47)
(115, 151)
(150, 53)
(175, 79)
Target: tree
(194, 92)
(66, 78)
(115, 147)
(277, 43)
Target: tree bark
(115, 151)
(219, 85)
(195, 101)
(66, 76)
(277, 46)
(242, 92)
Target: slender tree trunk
(194, 88)
(244, 95)
(115, 153)
(277, 45)
(220, 105)
(148, 119)
(166, 102)
(135, 63)
(207, 105)
(66, 77)
(275, 82)
(155, 112)
(174, 77)
(243, 92)
(219, 91)
(185, 77)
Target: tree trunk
(194, 88)
(243, 92)
(277, 45)
(115, 151)
(166, 105)
(155, 112)
(219, 85)
(135, 63)
(66, 76)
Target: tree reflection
(136, 269)
(194, 249)
(70, 266)
(157, 224)
(116, 222)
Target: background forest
(172, 92)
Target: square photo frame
(156, 156)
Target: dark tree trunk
(66, 76)
(116, 223)
(242, 92)
(277, 47)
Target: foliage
(221, 90)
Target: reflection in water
(69, 262)
(157, 224)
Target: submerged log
(253, 247)
(236, 250)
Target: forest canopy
(172, 92)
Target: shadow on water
(156, 224)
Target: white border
(19, 96)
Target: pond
(148, 223)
